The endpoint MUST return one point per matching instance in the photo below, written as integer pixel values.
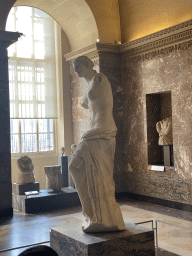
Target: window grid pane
(14, 128)
(29, 142)
(46, 142)
(28, 126)
(32, 64)
(45, 127)
(15, 143)
(30, 136)
(31, 76)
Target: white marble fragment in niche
(164, 128)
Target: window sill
(35, 154)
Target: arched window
(32, 79)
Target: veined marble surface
(69, 239)
(171, 73)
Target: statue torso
(98, 99)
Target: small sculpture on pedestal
(164, 128)
(26, 168)
(53, 177)
(63, 162)
(62, 150)
(26, 179)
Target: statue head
(73, 147)
(82, 65)
(62, 150)
(83, 60)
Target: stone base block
(46, 200)
(21, 189)
(69, 239)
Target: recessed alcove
(159, 107)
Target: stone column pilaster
(6, 39)
(110, 66)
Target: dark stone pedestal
(46, 200)
(167, 155)
(63, 162)
(21, 189)
(69, 239)
(72, 183)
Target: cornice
(84, 51)
(112, 48)
(92, 51)
(160, 35)
(161, 43)
(7, 38)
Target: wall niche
(159, 107)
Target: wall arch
(74, 16)
(84, 21)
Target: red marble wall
(170, 72)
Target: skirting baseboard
(153, 200)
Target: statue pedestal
(69, 239)
(63, 162)
(167, 155)
(72, 183)
(45, 201)
(21, 189)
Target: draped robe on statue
(92, 167)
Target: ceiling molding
(158, 44)
(162, 34)
(92, 51)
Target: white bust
(164, 128)
(62, 150)
(26, 167)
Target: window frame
(37, 153)
(58, 65)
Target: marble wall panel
(171, 72)
(159, 186)
(131, 80)
(110, 65)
